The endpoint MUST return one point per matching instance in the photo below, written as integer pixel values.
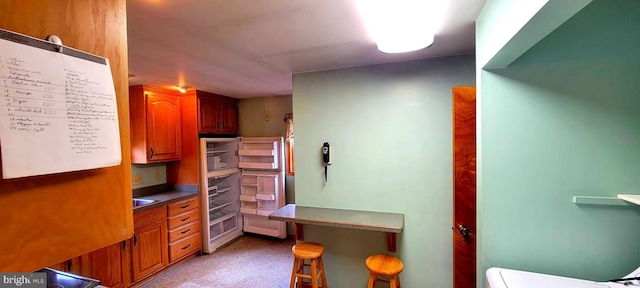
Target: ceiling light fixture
(182, 88)
(401, 25)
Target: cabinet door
(72, 266)
(149, 249)
(208, 115)
(163, 127)
(229, 118)
(112, 265)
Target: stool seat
(384, 265)
(307, 250)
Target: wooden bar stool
(386, 266)
(312, 252)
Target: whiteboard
(58, 113)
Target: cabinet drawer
(184, 231)
(185, 246)
(146, 217)
(183, 206)
(180, 220)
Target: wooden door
(112, 265)
(163, 127)
(464, 186)
(229, 118)
(208, 117)
(149, 252)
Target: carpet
(251, 261)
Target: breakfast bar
(391, 223)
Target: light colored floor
(252, 261)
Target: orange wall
(48, 219)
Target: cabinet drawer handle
(185, 247)
(135, 240)
(218, 125)
(222, 125)
(124, 245)
(185, 231)
(185, 219)
(185, 206)
(151, 153)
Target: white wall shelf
(593, 200)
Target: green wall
(493, 16)
(390, 129)
(559, 122)
(150, 174)
(264, 116)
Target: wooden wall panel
(48, 219)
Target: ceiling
(250, 48)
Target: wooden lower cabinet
(184, 228)
(152, 248)
(72, 265)
(150, 244)
(111, 265)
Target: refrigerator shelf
(218, 191)
(254, 165)
(214, 208)
(215, 218)
(217, 151)
(267, 197)
(256, 152)
(248, 198)
(222, 190)
(217, 174)
(264, 212)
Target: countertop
(163, 198)
(353, 219)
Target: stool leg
(398, 278)
(314, 273)
(393, 282)
(372, 280)
(294, 272)
(323, 275)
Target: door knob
(464, 230)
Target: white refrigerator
(242, 182)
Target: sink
(140, 202)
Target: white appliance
(507, 278)
(242, 182)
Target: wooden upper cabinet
(229, 114)
(217, 114)
(208, 111)
(155, 125)
(163, 127)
